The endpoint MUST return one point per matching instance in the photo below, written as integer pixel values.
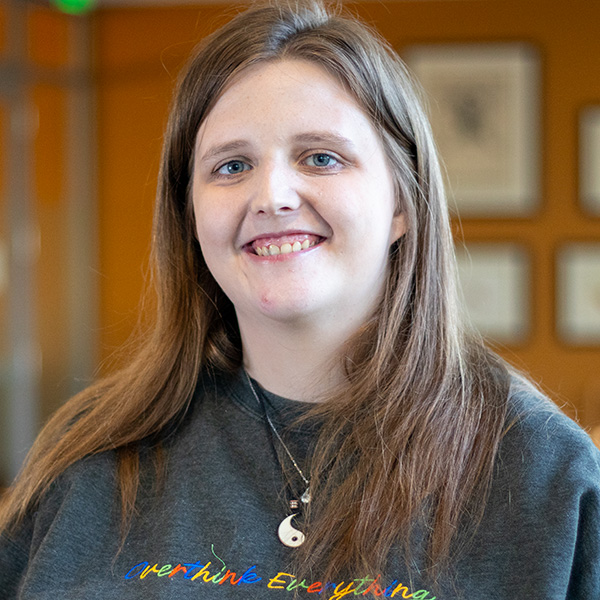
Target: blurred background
(84, 93)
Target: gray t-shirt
(211, 531)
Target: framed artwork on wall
(589, 160)
(495, 283)
(578, 293)
(484, 110)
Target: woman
(309, 415)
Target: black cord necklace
(288, 534)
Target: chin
(285, 311)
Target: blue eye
(321, 160)
(233, 167)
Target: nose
(275, 190)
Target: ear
(398, 228)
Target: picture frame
(495, 284)
(484, 106)
(578, 293)
(589, 160)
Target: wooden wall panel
(48, 37)
(3, 20)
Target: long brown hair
(413, 431)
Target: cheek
(368, 209)
(211, 246)
(208, 222)
(202, 231)
(214, 234)
(213, 257)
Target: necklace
(288, 535)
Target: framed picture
(589, 159)
(578, 293)
(484, 109)
(494, 278)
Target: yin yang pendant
(288, 535)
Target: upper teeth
(272, 249)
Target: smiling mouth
(284, 244)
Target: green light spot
(74, 7)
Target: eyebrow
(311, 137)
(320, 137)
(233, 146)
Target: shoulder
(544, 450)
(536, 423)
(85, 493)
(82, 499)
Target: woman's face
(294, 199)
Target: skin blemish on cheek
(265, 300)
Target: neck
(299, 363)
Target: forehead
(283, 95)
